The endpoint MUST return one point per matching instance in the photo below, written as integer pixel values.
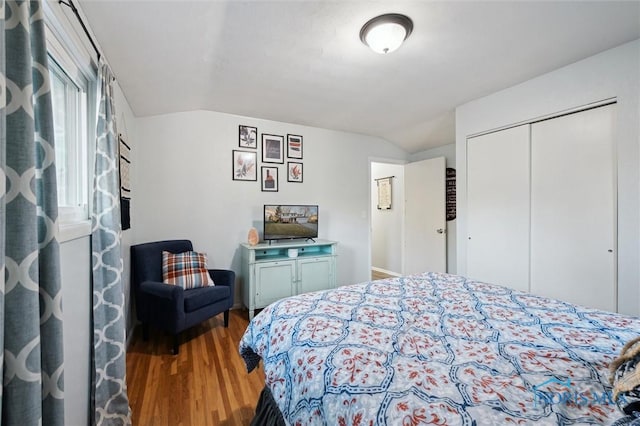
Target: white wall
(184, 186)
(387, 229)
(446, 151)
(75, 265)
(449, 153)
(614, 73)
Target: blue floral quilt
(436, 349)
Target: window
(70, 113)
(73, 78)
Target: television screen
(290, 221)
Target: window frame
(77, 158)
(67, 52)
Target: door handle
(440, 231)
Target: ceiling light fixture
(385, 33)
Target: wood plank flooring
(205, 384)
(376, 275)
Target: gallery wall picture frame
(294, 146)
(294, 172)
(384, 193)
(269, 179)
(247, 137)
(450, 184)
(125, 182)
(272, 148)
(245, 165)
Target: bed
(434, 349)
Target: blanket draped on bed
(625, 379)
(436, 348)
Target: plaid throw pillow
(188, 269)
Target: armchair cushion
(197, 298)
(187, 270)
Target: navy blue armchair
(170, 307)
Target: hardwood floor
(376, 275)
(205, 384)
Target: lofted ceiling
(302, 61)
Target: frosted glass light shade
(385, 33)
(385, 38)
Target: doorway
(387, 224)
(408, 235)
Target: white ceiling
(302, 61)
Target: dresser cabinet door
(274, 281)
(315, 274)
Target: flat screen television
(287, 221)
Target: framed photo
(294, 172)
(272, 148)
(244, 165)
(384, 193)
(269, 179)
(294, 146)
(248, 137)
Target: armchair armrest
(162, 290)
(223, 276)
(163, 305)
(227, 278)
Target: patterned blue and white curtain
(109, 387)
(30, 293)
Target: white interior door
(425, 226)
(573, 208)
(498, 207)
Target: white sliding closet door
(498, 207)
(573, 208)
